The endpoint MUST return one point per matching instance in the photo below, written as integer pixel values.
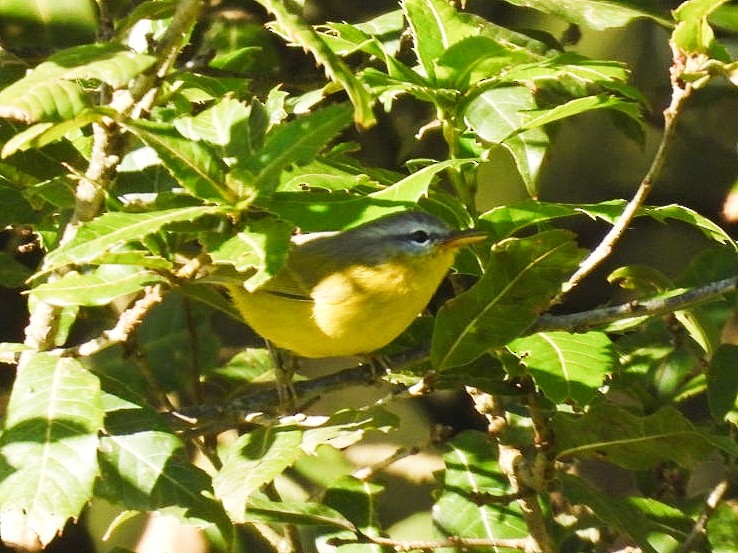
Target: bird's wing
(288, 284)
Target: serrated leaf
(435, 26)
(300, 514)
(509, 219)
(471, 473)
(299, 32)
(522, 277)
(97, 288)
(612, 511)
(635, 442)
(475, 58)
(194, 164)
(296, 142)
(722, 529)
(339, 210)
(145, 465)
(345, 427)
(47, 93)
(103, 234)
(497, 116)
(251, 461)
(49, 445)
(722, 381)
(356, 499)
(258, 250)
(577, 106)
(687, 215)
(598, 15)
(41, 134)
(566, 366)
(226, 124)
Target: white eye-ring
(420, 236)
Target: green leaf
(357, 500)
(144, 465)
(687, 215)
(582, 105)
(722, 382)
(13, 274)
(224, 124)
(612, 511)
(194, 164)
(321, 211)
(722, 529)
(498, 116)
(567, 366)
(48, 94)
(49, 445)
(100, 236)
(509, 219)
(300, 514)
(522, 277)
(296, 142)
(475, 58)
(346, 427)
(435, 26)
(97, 288)
(635, 442)
(291, 25)
(41, 134)
(471, 474)
(597, 14)
(251, 461)
(258, 250)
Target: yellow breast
(356, 310)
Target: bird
(352, 292)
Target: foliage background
(127, 323)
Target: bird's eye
(420, 237)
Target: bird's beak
(461, 238)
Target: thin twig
(127, 323)
(698, 530)
(680, 92)
(579, 322)
(523, 544)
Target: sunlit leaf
(612, 511)
(195, 165)
(97, 288)
(49, 445)
(101, 235)
(566, 366)
(599, 15)
(522, 277)
(49, 92)
(251, 461)
(635, 442)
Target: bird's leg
(284, 364)
(380, 366)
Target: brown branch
(698, 530)
(680, 93)
(523, 544)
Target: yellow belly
(357, 311)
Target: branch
(209, 417)
(716, 495)
(680, 92)
(127, 323)
(579, 322)
(523, 544)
